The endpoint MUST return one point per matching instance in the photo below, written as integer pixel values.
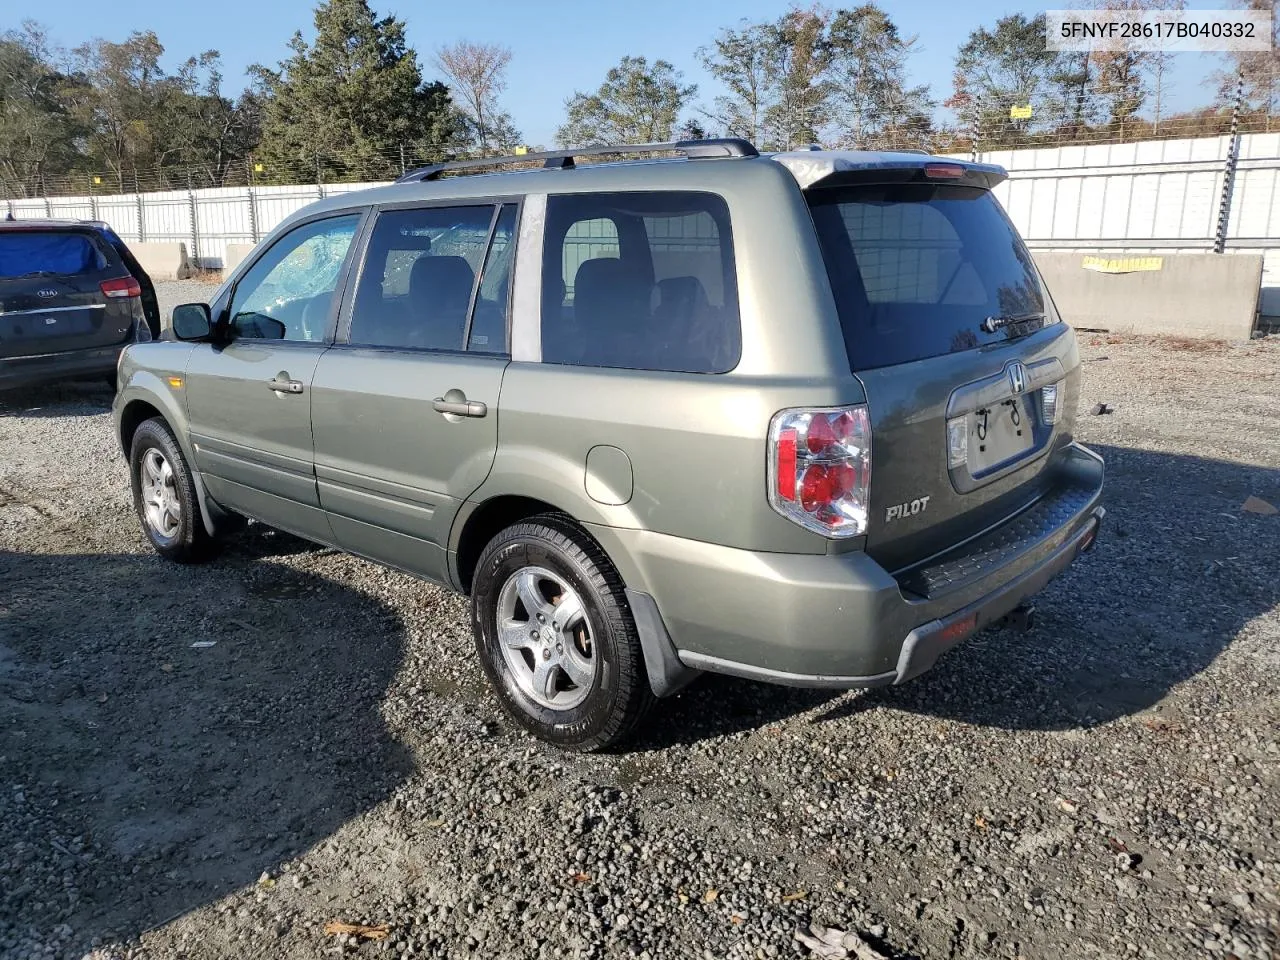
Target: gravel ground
(1107, 785)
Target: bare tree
(740, 59)
(477, 73)
(638, 102)
(1258, 68)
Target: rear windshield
(917, 268)
(41, 253)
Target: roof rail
(563, 159)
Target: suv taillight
(820, 469)
(1049, 405)
(121, 287)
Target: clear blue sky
(559, 45)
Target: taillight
(1049, 403)
(958, 441)
(121, 287)
(820, 469)
(944, 171)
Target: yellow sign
(1122, 264)
(258, 168)
(97, 179)
(1020, 113)
(521, 151)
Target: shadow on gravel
(1178, 571)
(144, 777)
(259, 542)
(87, 398)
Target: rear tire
(164, 495)
(556, 637)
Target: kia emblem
(46, 293)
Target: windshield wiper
(992, 324)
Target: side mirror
(192, 321)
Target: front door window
(288, 294)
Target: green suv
(802, 417)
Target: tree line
(352, 101)
(355, 103)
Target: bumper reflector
(960, 629)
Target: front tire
(164, 495)
(556, 637)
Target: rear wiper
(36, 273)
(992, 324)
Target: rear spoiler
(813, 168)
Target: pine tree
(351, 100)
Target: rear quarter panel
(696, 442)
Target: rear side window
(917, 268)
(42, 253)
(643, 281)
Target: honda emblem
(1017, 374)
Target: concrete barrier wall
(163, 261)
(1182, 294)
(236, 252)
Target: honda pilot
(804, 417)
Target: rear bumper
(53, 367)
(841, 620)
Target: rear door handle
(284, 386)
(460, 408)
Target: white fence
(205, 220)
(1157, 196)
(1154, 196)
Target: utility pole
(1229, 169)
(973, 132)
(253, 200)
(137, 200)
(195, 222)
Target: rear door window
(45, 253)
(420, 276)
(488, 332)
(643, 281)
(917, 268)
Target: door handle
(284, 386)
(459, 408)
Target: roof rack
(564, 159)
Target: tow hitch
(1021, 618)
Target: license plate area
(1000, 433)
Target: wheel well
(492, 517)
(133, 416)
